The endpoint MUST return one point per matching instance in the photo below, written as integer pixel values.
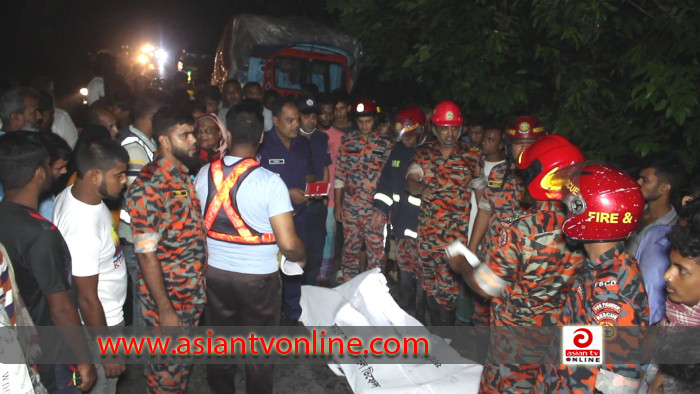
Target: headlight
(84, 91)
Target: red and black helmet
(604, 203)
(366, 107)
(409, 121)
(525, 127)
(541, 160)
(447, 113)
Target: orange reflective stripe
(222, 199)
(253, 239)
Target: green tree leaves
(615, 76)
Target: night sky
(55, 37)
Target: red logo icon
(584, 339)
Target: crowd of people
(194, 200)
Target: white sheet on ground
(365, 301)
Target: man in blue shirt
(289, 156)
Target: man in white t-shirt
(98, 268)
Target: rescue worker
(442, 174)
(392, 198)
(604, 209)
(502, 201)
(360, 161)
(528, 275)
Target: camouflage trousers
(356, 231)
(170, 378)
(407, 256)
(439, 281)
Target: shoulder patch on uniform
(606, 318)
(606, 306)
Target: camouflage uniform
(446, 218)
(502, 196)
(166, 218)
(532, 270)
(360, 163)
(608, 292)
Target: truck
(285, 54)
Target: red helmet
(409, 121)
(604, 203)
(366, 107)
(525, 128)
(447, 113)
(541, 160)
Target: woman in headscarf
(213, 138)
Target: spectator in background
(98, 267)
(231, 94)
(46, 110)
(179, 88)
(342, 120)
(102, 117)
(19, 110)
(59, 156)
(103, 67)
(120, 104)
(253, 90)
(659, 180)
(212, 137)
(326, 106)
(39, 254)
(61, 122)
(210, 97)
(653, 257)
(269, 98)
(474, 133)
(682, 307)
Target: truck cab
(284, 54)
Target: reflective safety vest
(227, 225)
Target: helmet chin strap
(306, 132)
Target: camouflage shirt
(529, 275)
(360, 163)
(446, 218)
(166, 218)
(608, 291)
(503, 196)
(531, 270)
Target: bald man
(102, 117)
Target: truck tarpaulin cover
(246, 32)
